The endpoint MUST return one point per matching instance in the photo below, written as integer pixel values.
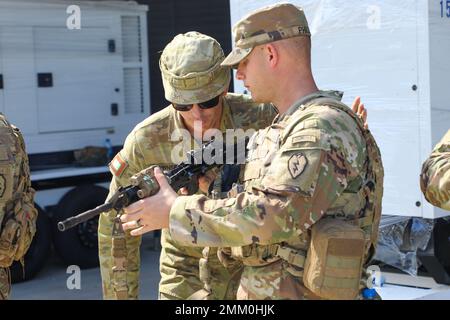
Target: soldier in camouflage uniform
(435, 177)
(17, 212)
(313, 172)
(191, 72)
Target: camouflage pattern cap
(191, 70)
(268, 24)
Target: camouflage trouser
(273, 282)
(163, 296)
(131, 276)
(179, 268)
(5, 283)
(180, 276)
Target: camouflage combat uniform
(435, 177)
(310, 163)
(17, 212)
(149, 144)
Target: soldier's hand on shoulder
(360, 110)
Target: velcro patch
(4, 154)
(305, 138)
(118, 165)
(297, 164)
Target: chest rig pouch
(335, 259)
(262, 148)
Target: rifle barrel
(82, 217)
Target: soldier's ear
(271, 54)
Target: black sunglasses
(203, 105)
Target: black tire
(79, 245)
(38, 252)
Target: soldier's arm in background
(17, 211)
(435, 177)
(128, 162)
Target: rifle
(144, 184)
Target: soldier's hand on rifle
(151, 213)
(205, 181)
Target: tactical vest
(17, 212)
(219, 190)
(359, 204)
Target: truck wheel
(38, 252)
(79, 245)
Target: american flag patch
(118, 165)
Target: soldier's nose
(196, 111)
(240, 73)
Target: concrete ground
(51, 283)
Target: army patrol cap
(191, 70)
(268, 24)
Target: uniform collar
(226, 122)
(304, 100)
(175, 121)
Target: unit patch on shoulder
(118, 165)
(297, 164)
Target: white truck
(72, 74)
(395, 55)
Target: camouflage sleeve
(435, 177)
(303, 179)
(131, 161)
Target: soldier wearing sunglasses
(196, 86)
